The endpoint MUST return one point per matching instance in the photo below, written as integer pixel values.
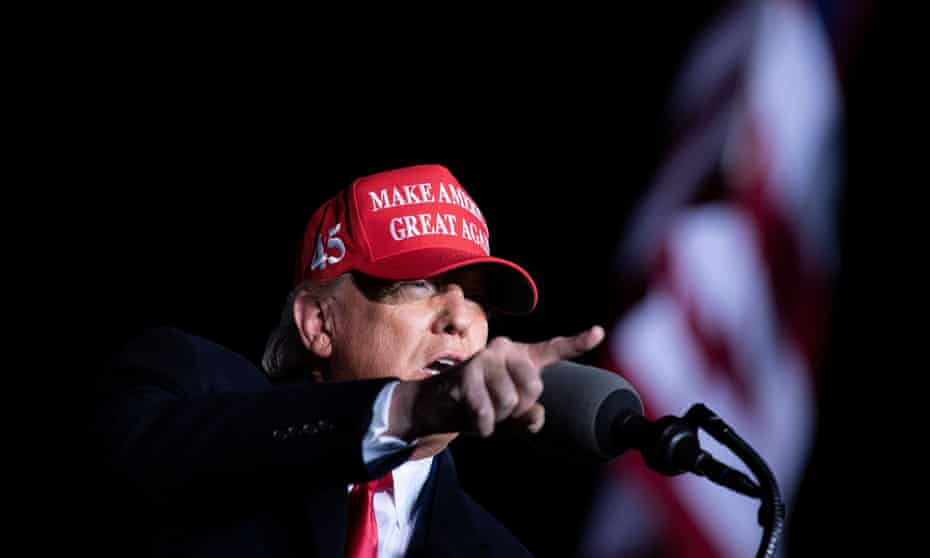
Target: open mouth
(440, 365)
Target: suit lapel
(448, 528)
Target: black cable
(670, 446)
(772, 510)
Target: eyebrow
(372, 287)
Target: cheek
(377, 343)
(480, 338)
(479, 331)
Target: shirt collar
(409, 479)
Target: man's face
(407, 329)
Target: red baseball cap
(409, 223)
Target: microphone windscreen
(582, 403)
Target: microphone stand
(670, 446)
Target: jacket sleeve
(179, 415)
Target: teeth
(440, 365)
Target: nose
(457, 313)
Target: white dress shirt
(396, 510)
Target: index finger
(561, 348)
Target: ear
(310, 317)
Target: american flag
(735, 245)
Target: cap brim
(510, 287)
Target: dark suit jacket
(200, 455)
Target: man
(380, 360)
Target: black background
(198, 153)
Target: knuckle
(534, 388)
(481, 414)
(510, 401)
(473, 396)
(500, 343)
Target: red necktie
(363, 527)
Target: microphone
(597, 414)
(582, 404)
